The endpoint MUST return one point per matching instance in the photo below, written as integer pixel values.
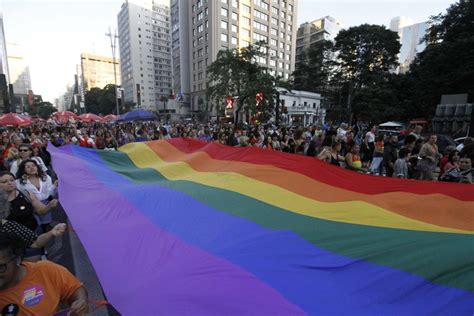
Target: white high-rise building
(312, 33)
(19, 69)
(3, 52)
(145, 53)
(411, 38)
(213, 25)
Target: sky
(54, 33)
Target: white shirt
(370, 137)
(46, 188)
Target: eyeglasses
(4, 266)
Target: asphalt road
(69, 252)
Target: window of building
(235, 3)
(224, 25)
(234, 28)
(224, 37)
(275, 10)
(259, 37)
(234, 40)
(275, 21)
(260, 15)
(261, 3)
(245, 9)
(245, 21)
(235, 16)
(274, 31)
(200, 28)
(273, 42)
(245, 32)
(224, 12)
(260, 26)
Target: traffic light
(258, 98)
(230, 102)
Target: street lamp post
(113, 46)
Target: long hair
(21, 174)
(4, 205)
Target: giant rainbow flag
(181, 227)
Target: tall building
(311, 33)
(226, 24)
(19, 69)
(4, 73)
(98, 71)
(411, 38)
(3, 52)
(145, 53)
(181, 40)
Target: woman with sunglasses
(28, 288)
(26, 152)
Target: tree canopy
(101, 101)
(237, 73)
(446, 66)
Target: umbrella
(111, 118)
(137, 115)
(64, 116)
(90, 117)
(390, 124)
(13, 119)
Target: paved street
(69, 252)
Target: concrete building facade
(145, 53)
(312, 33)
(411, 38)
(19, 69)
(227, 24)
(180, 36)
(98, 71)
(3, 52)
(302, 107)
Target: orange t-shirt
(44, 286)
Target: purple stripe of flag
(145, 270)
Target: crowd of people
(358, 148)
(28, 185)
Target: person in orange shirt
(35, 288)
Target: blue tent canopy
(135, 115)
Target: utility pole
(113, 46)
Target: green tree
(42, 109)
(446, 66)
(45, 110)
(365, 56)
(314, 67)
(237, 73)
(101, 101)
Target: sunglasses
(24, 150)
(4, 266)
